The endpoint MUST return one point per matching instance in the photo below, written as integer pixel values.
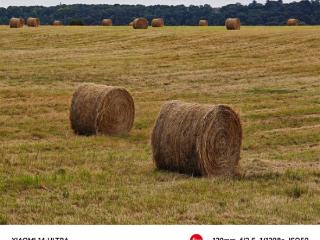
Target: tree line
(270, 13)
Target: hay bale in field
(293, 22)
(22, 21)
(15, 23)
(131, 24)
(157, 22)
(57, 23)
(233, 24)
(201, 140)
(100, 109)
(203, 23)
(33, 22)
(106, 22)
(140, 23)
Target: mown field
(48, 175)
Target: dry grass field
(48, 175)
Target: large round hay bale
(203, 23)
(106, 22)
(233, 24)
(57, 23)
(140, 23)
(100, 109)
(15, 23)
(157, 22)
(33, 22)
(200, 140)
(293, 22)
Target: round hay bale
(140, 23)
(99, 109)
(293, 22)
(157, 22)
(106, 22)
(57, 23)
(15, 23)
(33, 22)
(200, 140)
(233, 24)
(131, 24)
(203, 23)
(22, 21)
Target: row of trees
(270, 13)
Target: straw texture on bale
(233, 24)
(15, 23)
(293, 22)
(100, 109)
(200, 140)
(203, 23)
(57, 23)
(106, 22)
(157, 22)
(33, 22)
(140, 23)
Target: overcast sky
(214, 3)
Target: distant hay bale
(140, 23)
(200, 140)
(22, 21)
(106, 22)
(57, 23)
(157, 22)
(15, 23)
(203, 23)
(293, 22)
(131, 24)
(33, 22)
(233, 24)
(100, 109)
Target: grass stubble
(269, 75)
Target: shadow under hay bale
(157, 22)
(233, 24)
(33, 22)
(200, 140)
(203, 23)
(16, 23)
(293, 22)
(100, 109)
(106, 22)
(140, 23)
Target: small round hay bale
(140, 23)
(15, 23)
(22, 21)
(131, 24)
(200, 140)
(203, 23)
(57, 23)
(33, 22)
(106, 22)
(100, 109)
(157, 22)
(233, 24)
(293, 22)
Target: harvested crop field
(49, 175)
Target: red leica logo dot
(196, 237)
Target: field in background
(270, 75)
